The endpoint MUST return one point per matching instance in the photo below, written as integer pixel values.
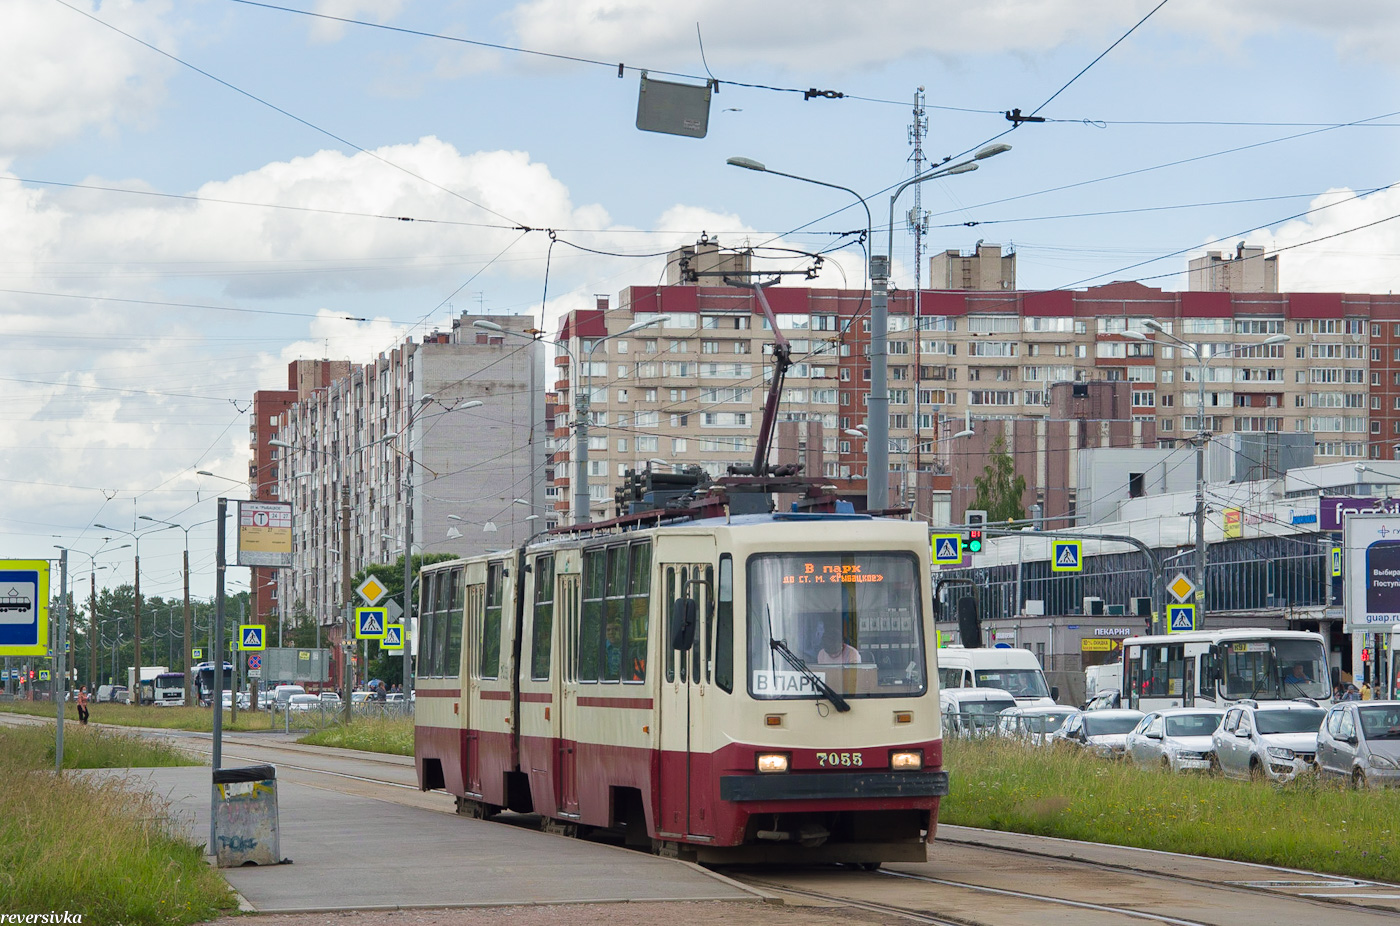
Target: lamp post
(136, 629)
(877, 447)
(1201, 438)
(189, 631)
(92, 609)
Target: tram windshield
(853, 618)
(1282, 669)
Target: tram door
(475, 613)
(685, 747)
(566, 694)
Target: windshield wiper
(781, 648)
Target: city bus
(1215, 668)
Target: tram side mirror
(1054, 692)
(685, 616)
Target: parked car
(1360, 741)
(1276, 741)
(973, 711)
(330, 696)
(112, 693)
(303, 702)
(1103, 733)
(361, 697)
(1105, 699)
(394, 696)
(1177, 739)
(1032, 724)
(282, 693)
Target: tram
(745, 688)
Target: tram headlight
(908, 760)
(772, 762)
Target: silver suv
(1276, 741)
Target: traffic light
(972, 542)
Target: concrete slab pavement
(357, 853)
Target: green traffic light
(975, 546)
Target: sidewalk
(356, 853)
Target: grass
(1308, 824)
(96, 848)
(372, 734)
(160, 718)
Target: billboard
(264, 534)
(1371, 550)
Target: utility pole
(917, 130)
(136, 651)
(60, 677)
(581, 413)
(217, 657)
(348, 644)
(189, 629)
(92, 634)
(408, 559)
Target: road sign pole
(59, 684)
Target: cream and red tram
(672, 682)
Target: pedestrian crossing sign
(393, 637)
(251, 636)
(370, 623)
(947, 549)
(1181, 618)
(1336, 562)
(197, 653)
(43, 675)
(1066, 556)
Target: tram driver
(835, 650)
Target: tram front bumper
(832, 785)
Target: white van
(1013, 670)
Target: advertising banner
(1371, 547)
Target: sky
(195, 193)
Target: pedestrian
(1351, 694)
(1365, 691)
(83, 705)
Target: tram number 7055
(839, 758)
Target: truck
(145, 693)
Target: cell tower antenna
(917, 223)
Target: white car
(330, 696)
(1177, 739)
(1033, 725)
(1104, 733)
(973, 711)
(304, 702)
(1275, 741)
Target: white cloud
(843, 37)
(64, 73)
(1364, 257)
(378, 11)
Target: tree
(999, 489)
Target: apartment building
(690, 388)
(1249, 271)
(269, 405)
(445, 426)
(986, 268)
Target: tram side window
(724, 625)
(639, 611)
(590, 631)
(491, 622)
(426, 623)
(442, 629)
(454, 595)
(614, 614)
(670, 596)
(702, 636)
(542, 631)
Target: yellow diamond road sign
(1181, 587)
(371, 590)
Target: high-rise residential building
(690, 389)
(1249, 271)
(986, 268)
(447, 424)
(269, 405)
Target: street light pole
(877, 448)
(136, 629)
(186, 649)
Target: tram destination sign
(1371, 548)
